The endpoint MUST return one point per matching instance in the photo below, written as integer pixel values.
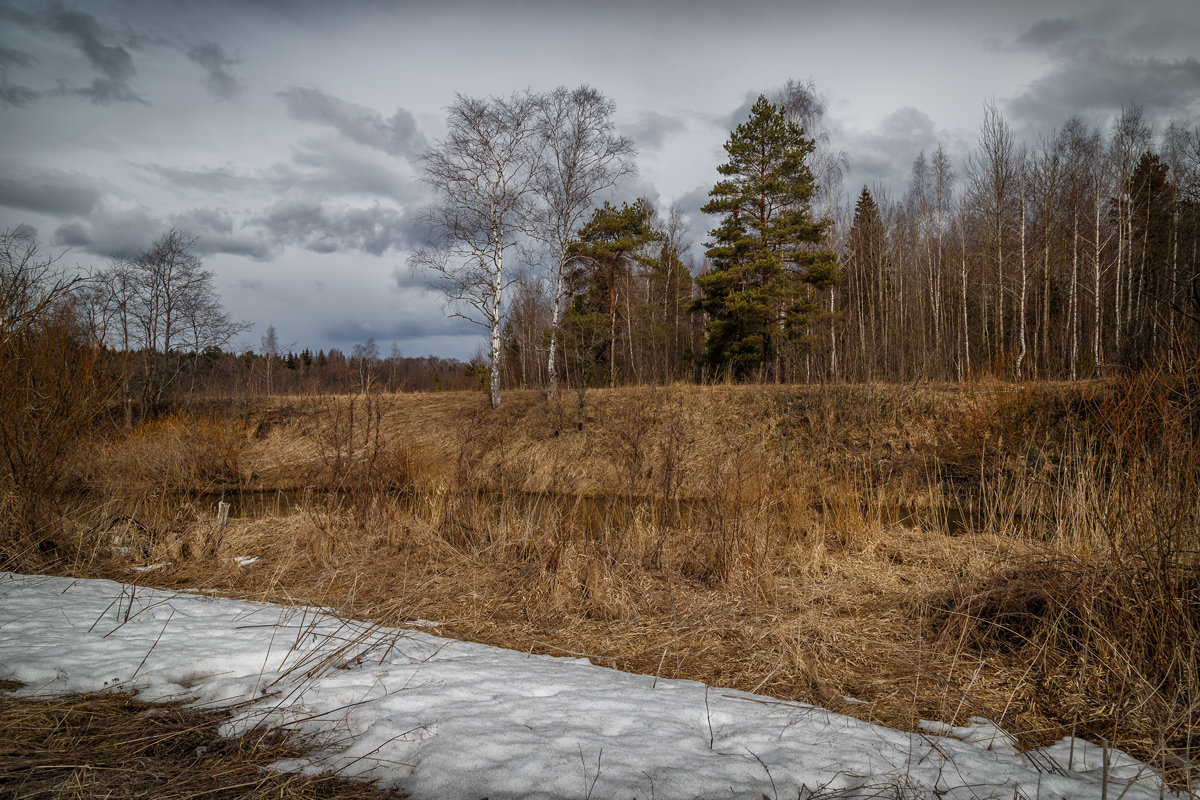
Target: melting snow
(441, 718)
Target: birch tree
(582, 156)
(483, 172)
(992, 177)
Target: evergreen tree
(867, 282)
(766, 252)
(1151, 200)
(609, 247)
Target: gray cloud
(1097, 85)
(407, 277)
(10, 57)
(885, 155)
(219, 78)
(19, 96)
(323, 229)
(49, 191)
(213, 179)
(650, 129)
(698, 222)
(1095, 71)
(113, 62)
(1049, 33)
(429, 320)
(112, 230)
(397, 135)
(329, 171)
(216, 232)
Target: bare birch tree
(482, 171)
(582, 156)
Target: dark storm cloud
(113, 62)
(650, 129)
(397, 135)
(49, 191)
(1097, 86)
(1100, 65)
(325, 229)
(219, 77)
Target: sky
(285, 134)
(452, 720)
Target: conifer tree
(608, 248)
(868, 290)
(766, 251)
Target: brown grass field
(1025, 553)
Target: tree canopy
(766, 253)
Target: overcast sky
(283, 133)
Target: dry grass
(110, 745)
(894, 552)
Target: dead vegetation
(1025, 553)
(111, 745)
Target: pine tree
(766, 252)
(608, 249)
(868, 291)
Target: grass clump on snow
(111, 745)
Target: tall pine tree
(766, 253)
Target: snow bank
(446, 719)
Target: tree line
(1069, 258)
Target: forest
(1072, 258)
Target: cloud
(113, 229)
(650, 129)
(323, 228)
(429, 321)
(113, 62)
(339, 171)
(10, 57)
(1049, 33)
(407, 277)
(216, 232)
(212, 179)
(699, 223)
(18, 96)
(1098, 84)
(397, 135)
(219, 79)
(49, 191)
(885, 155)
(1098, 64)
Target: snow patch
(440, 718)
